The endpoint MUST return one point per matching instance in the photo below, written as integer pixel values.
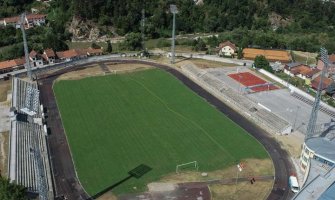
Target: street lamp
(174, 11)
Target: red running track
(248, 79)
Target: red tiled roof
(12, 19)
(35, 16)
(49, 53)
(70, 53)
(93, 51)
(11, 63)
(271, 55)
(332, 58)
(325, 82)
(227, 43)
(32, 54)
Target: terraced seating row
(310, 102)
(19, 95)
(27, 144)
(268, 119)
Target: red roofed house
(31, 20)
(93, 52)
(331, 67)
(72, 54)
(36, 59)
(227, 48)
(49, 56)
(325, 83)
(11, 65)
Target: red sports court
(255, 83)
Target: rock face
(83, 30)
(277, 21)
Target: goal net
(187, 166)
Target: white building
(227, 48)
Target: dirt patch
(243, 190)
(107, 196)
(91, 70)
(96, 70)
(292, 143)
(252, 168)
(4, 144)
(5, 86)
(126, 67)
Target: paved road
(65, 179)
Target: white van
(293, 183)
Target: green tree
(11, 191)
(109, 47)
(132, 42)
(263, 63)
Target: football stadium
(114, 123)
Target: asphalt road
(65, 179)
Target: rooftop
(11, 63)
(320, 185)
(322, 146)
(227, 43)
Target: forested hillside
(287, 24)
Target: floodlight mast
(314, 115)
(174, 11)
(25, 45)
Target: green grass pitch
(114, 123)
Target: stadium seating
(310, 102)
(263, 117)
(27, 142)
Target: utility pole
(25, 45)
(143, 29)
(314, 115)
(174, 11)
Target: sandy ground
(292, 143)
(4, 142)
(95, 70)
(5, 86)
(92, 70)
(119, 68)
(243, 191)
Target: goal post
(193, 164)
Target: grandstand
(27, 142)
(246, 106)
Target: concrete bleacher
(27, 142)
(246, 106)
(310, 102)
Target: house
(93, 52)
(49, 56)
(227, 48)
(11, 65)
(331, 67)
(288, 67)
(271, 55)
(30, 20)
(332, 58)
(35, 20)
(36, 59)
(72, 54)
(325, 83)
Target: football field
(114, 123)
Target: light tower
(314, 115)
(174, 11)
(25, 45)
(143, 29)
